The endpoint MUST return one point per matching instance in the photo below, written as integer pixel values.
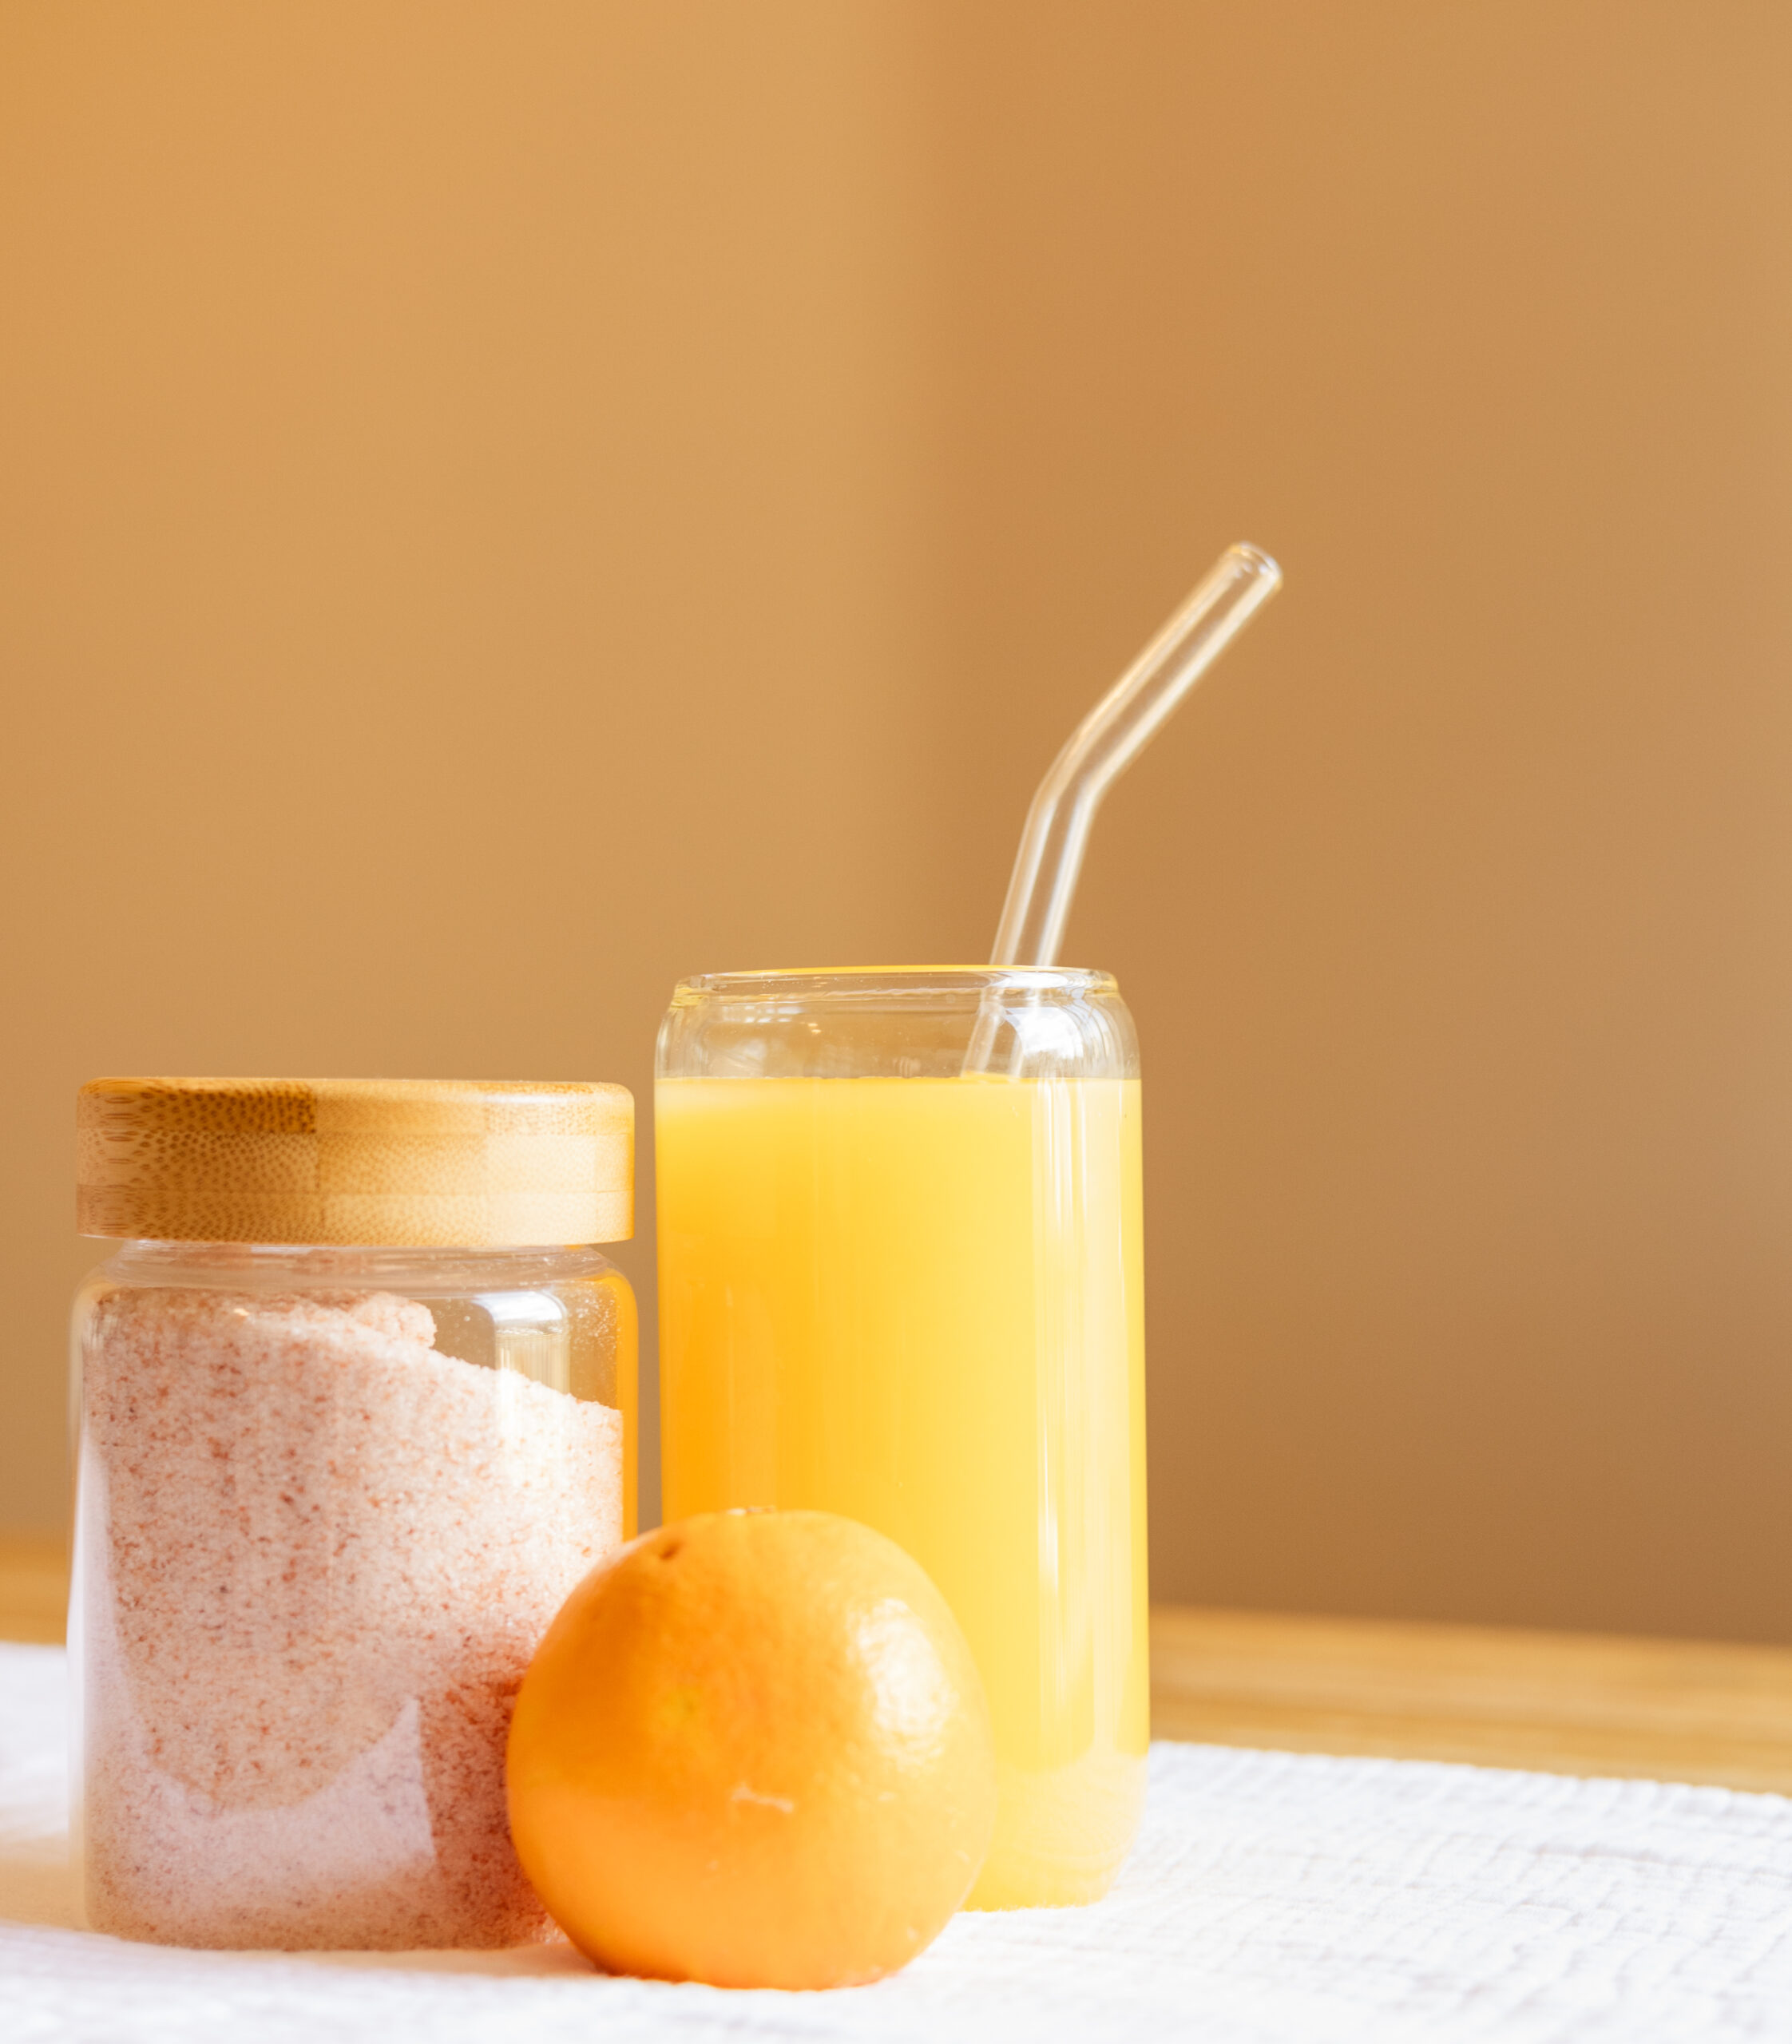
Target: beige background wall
(503, 504)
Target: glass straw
(1108, 741)
(1100, 749)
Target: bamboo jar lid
(417, 1163)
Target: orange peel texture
(753, 1750)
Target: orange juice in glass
(900, 1278)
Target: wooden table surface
(1565, 1703)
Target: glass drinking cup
(901, 1279)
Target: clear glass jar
(330, 1497)
(329, 1500)
(901, 1278)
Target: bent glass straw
(1100, 749)
(1108, 741)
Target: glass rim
(814, 981)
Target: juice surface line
(918, 1302)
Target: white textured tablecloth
(1273, 1897)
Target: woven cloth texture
(1274, 1899)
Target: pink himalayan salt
(318, 1555)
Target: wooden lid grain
(425, 1163)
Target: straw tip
(1259, 562)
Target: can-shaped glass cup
(901, 1278)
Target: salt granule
(318, 1556)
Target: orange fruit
(753, 1750)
